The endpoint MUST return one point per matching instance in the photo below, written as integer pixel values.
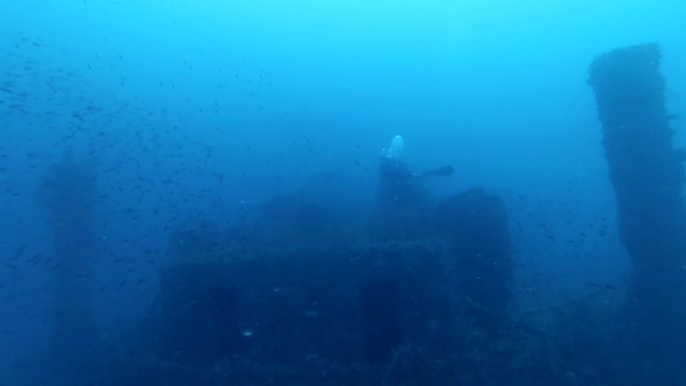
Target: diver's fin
(444, 171)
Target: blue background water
(205, 108)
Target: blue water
(194, 112)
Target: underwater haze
(202, 192)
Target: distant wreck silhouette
(421, 293)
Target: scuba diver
(401, 188)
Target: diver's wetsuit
(399, 187)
